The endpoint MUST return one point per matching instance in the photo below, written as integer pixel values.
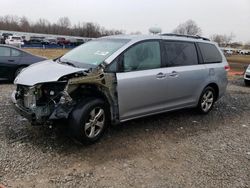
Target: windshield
(94, 52)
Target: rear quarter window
(210, 53)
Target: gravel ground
(178, 149)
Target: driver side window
(142, 56)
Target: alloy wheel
(207, 100)
(95, 123)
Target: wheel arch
(16, 69)
(216, 89)
(95, 91)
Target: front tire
(207, 100)
(88, 120)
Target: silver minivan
(119, 78)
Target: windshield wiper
(66, 62)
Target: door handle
(174, 74)
(161, 75)
(11, 60)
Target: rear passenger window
(15, 53)
(210, 53)
(180, 53)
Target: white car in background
(244, 52)
(247, 76)
(14, 41)
(229, 52)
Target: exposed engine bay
(45, 102)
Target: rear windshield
(210, 53)
(93, 52)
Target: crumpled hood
(45, 71)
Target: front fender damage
(63, 108)
(104, 83)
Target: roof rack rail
(188, 36)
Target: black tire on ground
(87, 122)
(206, 101)
(18, 71)
(247, 82)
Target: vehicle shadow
(6, 82)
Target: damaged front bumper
(38, 115)
(28, 114)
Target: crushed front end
(40, 103)
(43, 103)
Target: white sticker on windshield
(101, 53)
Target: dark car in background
(62, 41)
(13, 60)
(34, 41)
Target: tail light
(227, 68)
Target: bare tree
(247, 45)
(222, 40)
(62, 27)
(188, 28)
(24, 24)
(10, 22)
(64, 22)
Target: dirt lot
(48, 53)
(178, 149)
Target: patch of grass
(239, 59)
(48, 53)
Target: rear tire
(207, 100)
(88, 120)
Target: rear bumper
(222, 88)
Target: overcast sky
(213, 16)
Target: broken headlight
(52, 89)
(50, 92)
